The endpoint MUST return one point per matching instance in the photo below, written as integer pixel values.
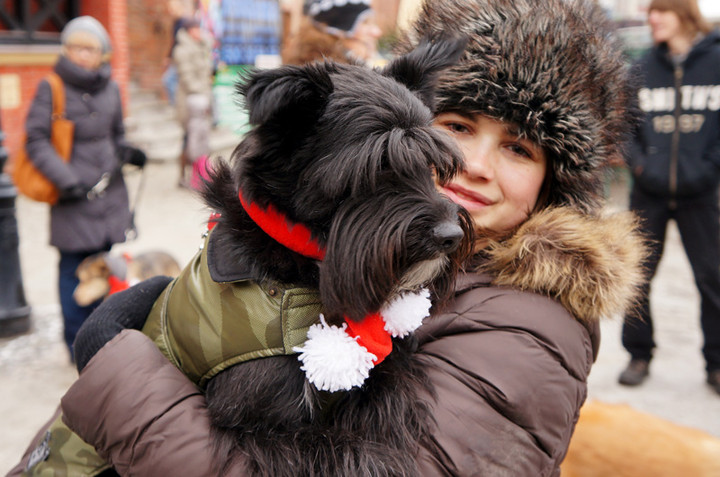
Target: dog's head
(351, 154)
(93, 274)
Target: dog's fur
(617, 440)
(95, 271)
(349, 153)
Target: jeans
(170, 82)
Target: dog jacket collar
(340, 358)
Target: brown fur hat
(553, 68)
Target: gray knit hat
(554, 68)
(87, 24)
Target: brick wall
(27, 65)
(13, 118)
(149, 38)
(113, 15)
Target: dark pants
(73, 314)
(698, 220)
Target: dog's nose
(447, 236)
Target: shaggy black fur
(348, 152)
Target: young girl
(537, 104)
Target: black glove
(132, 155)
(127, 309)
(72, 194)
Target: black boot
(713, 379)
(635, 373)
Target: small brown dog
(103, 273)
(619, 441)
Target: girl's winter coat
(93, 104)
(507, 363)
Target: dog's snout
(447, 236)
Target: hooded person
(538, 104)
(340, 30)
(82, 224)
(675, 164)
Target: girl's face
(664, 25)
(84, 50)
(503, 172)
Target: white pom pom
(405, 313)
(332, 360)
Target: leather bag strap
(58, 95)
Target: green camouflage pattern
(202, 327)
(69, 455)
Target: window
(35, 21)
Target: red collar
(296, 237)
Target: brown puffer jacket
(508, 361)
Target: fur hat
(338, 17)
(553, 68)
(90, 25)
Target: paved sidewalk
(34, 369)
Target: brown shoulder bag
(29, 181)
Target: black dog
(349, 155)
(331, 193)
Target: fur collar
(590, 264)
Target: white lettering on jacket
(695, 98)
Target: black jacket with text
(676, 148)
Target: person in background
(675, 164)
(193, 59)
(176, 10)
(339, 30)
(505, 364)
(92, 213)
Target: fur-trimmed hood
(552, 67)
(590, 264)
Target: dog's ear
(420, 68)
(298, 93)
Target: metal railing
(35, 21)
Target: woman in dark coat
(501, 374)
(82, 224)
